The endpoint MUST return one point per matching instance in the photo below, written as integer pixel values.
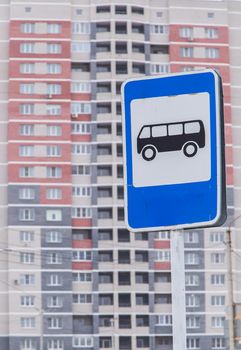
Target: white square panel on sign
(172, 136)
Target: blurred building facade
(71, 275)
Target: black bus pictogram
(187, 136)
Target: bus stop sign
(174, 168)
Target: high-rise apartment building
(71, 275)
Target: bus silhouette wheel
(149, 152)
(190, 149)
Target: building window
(186, 52)
(80, 170)
(78, 46)
(80, 87)
(192, 280)
(159, 68)
(26, 236)
(210, 14)
(81, 255)
(191, 237)
(217, 258)
(54, 258)
(217, 300)
(211, 52)
(80, 191)
(26, 193)
(27, 68)
(105, 277)
(26, 258)
(163, 255)
(137, 28)
(53, 109)
(81, 148)
(82, 298)
(26, 171)
(55, 322)
(27, 47)
(26, 88)
(55, 301)
(53, 151)
(142, 321)
(121, 68)
(80, 28)
(186, 32)
(193, 321)
(105, 342)
(218, 279)
(82, 277)
(26, 214)
(102, 9)
(54, 89)
(137, 10)
(193, 343)
(158, 29)
(103, 27)
(81, 212)
(54, 28)
(142, 342)
(103, 67)
(120, 10)
(192, 300)
(82, 341)
(163, 235)
(55, 344)
(26, 130)
(54, 279)
(27, 322)
(54, 130)
(54, 68)
(142, 299)
(164, 320)
(53, 237)
(27, 279)
(218, 343)
(80, 108)
(28, 344)
(211, 33)
(163, 299)
(54, 215)
(54, 172)
(80, 128)
(217, 237)
(54, 193)
(217, 321)
(27, 300)
(54, 48)
(26, 108)
(104, 213)
(104, 170)
(192, 259)
(26, 151)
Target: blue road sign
(174, 165)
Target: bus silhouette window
(145, 132)
(175, 129)
(186, 136)
(159, 130)
(190, 128)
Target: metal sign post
(178, 290)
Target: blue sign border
(182, 205)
